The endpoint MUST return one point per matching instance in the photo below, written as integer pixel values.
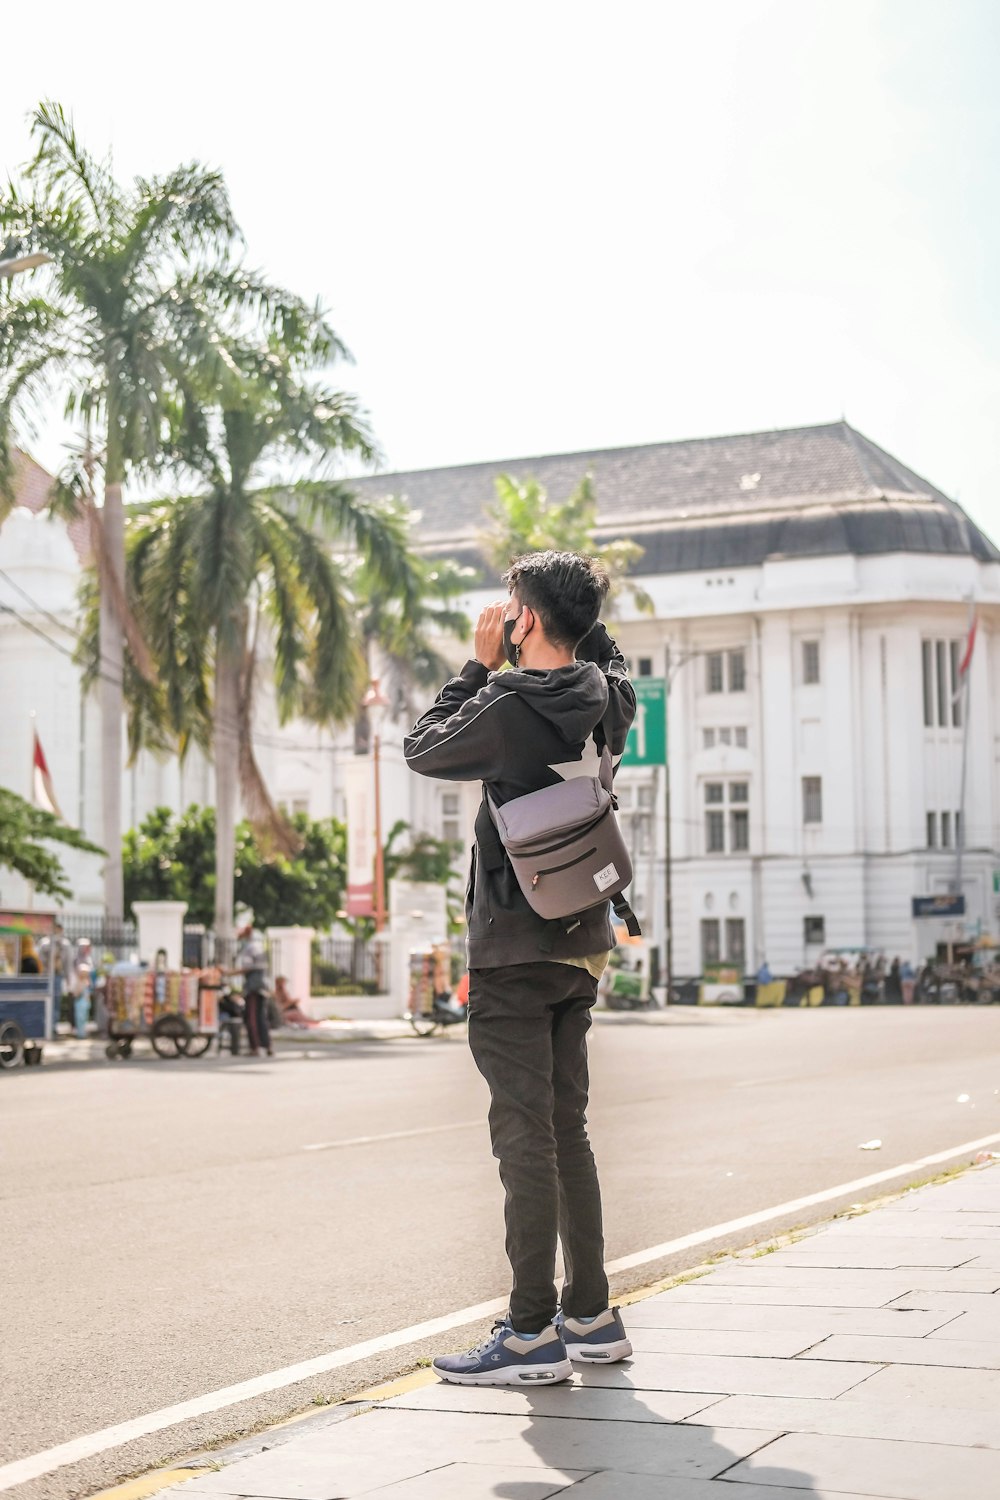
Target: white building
(811, 600)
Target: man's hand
(489, 636)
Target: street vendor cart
(177, 1010)
(26, 999)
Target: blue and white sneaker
(509, 1358)
(601, 1340)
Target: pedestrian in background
(532, 984)
(251, 962)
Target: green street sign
(647, 739)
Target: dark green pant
(528, 1027)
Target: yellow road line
(148, 1484)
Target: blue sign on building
(939, 906)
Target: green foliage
(425, 858)
(24, 830)
(168, 860)
(524, 519)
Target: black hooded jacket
(517, 731)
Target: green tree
(523, 519)
(401, 637)
(174, 859)
(247, 564)
(24, 832)
(139, 273)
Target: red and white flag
(43, 792)
(970, 646)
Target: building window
(713, 672)
(810, 661)
(645, 666)
(740, 737)
(710, 952)
(725, 736)
(708, 739)
(946, 830)
(451, 825)
(715, 832)
(737, 671)
(812, 799)
(932, 830)
(928, 664)
(959, 835)
(736, 948)
(942, 681)
(721, 797)
(942, 701)
(814, 931)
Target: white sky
(555, 226)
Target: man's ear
(530, 621)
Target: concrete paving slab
(617, 1486)
(815, 1322)
(774, 1294)
(923, 1385)
(925, 1225)
(471, 1481)
(593, 1404)
(898, 1422)
(774, 1270)
(922, 1300)
(881, 1255)
(969, 1325)
(970, 1354)
(989, 1261)
(752, 1343)
(734, 1376)
(898, 1471)
(357, 1457)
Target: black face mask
(512, 652)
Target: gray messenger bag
(566, 848)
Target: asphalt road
(173, 1228)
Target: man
(251, 963)
(533, 983)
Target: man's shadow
(641, 1439)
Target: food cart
(177, 1010)
(26, 1000)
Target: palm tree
(523, 519)
(245, 563)
(406, 642)
(138, 273)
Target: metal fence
(120, 939)
(346, 960)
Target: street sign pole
(668, 935)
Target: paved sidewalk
(860, 1361)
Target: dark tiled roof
(716, 502)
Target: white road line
(24, 1469)
(392, 1135)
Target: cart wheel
(11, 1044)
(170, 1036)
(194, 1045)
(112, 1050)
(125, 1048)
(423, 1024)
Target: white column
(161, 925)
(291, 956)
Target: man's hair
(564, 589)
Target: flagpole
(32, 716)
(966, 685)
